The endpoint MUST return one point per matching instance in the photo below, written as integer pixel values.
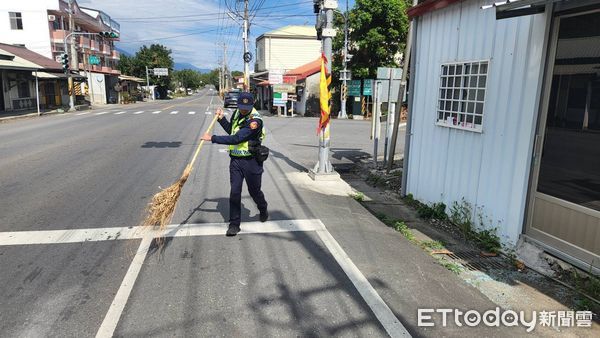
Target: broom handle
(210, 127)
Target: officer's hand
(206, 137)
(219, 113)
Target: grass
(375, 180)
(404, 230)
(589, 286)
(432, 245)
(359, 196)
(454, 267)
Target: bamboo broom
(160, 209)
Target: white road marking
(121, 112)
(156, 112)
(138, 112)
(384, 314)
(81, 113)
(381, 310)
(192, 113)
(208, 113)
(139, 232)
(101, 113)
(209, 104)
(109, 324)
(174, 112)
(224, 151)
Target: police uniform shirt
(249, 130)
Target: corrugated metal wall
(490, 170)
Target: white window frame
(17, 17)
(461, 96)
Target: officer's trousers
(251, 171)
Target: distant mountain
(185, 65)
(122, 51)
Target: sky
(195, 30)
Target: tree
(211, 78)
(377, 34)
(188, 78)
(155, 56)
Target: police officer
(245, 131)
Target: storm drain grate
(474, 261)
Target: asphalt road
(99, 168)
(74, 262)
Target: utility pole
(324, 168)
(73, 53)
(148, 86)
(344, 95)
(246, 53)
(221, 78)
(225, 69)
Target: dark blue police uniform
(242, 166)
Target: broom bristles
(162, 206)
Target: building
(42, 25)
(307, 80)
(505, 118)
(21, 72)
(279, 51)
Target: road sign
(368, 87)
(390, 83)
(279, 99)
(161, 71)
(291, 79)
(354, 88)
(284, 88)
(276, 76)
(94, 60)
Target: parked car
(231, 98)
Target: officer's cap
(245, 101)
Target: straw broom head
(161, 208)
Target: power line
(126, 19)
(169, 37)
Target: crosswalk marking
(101, 113)
(138, 112)
(192, 113)
(156, 112)
(174, 112)
(121, 112)
(82, 113)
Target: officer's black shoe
(233, 230)
(264, 216)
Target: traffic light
(109, 35)
(65, 62)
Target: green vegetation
(375, 180)
(359, 196)
(587, 284)
(460, 215)
(404, 230)
(435, 211)
(432, 245)
(452, 266)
